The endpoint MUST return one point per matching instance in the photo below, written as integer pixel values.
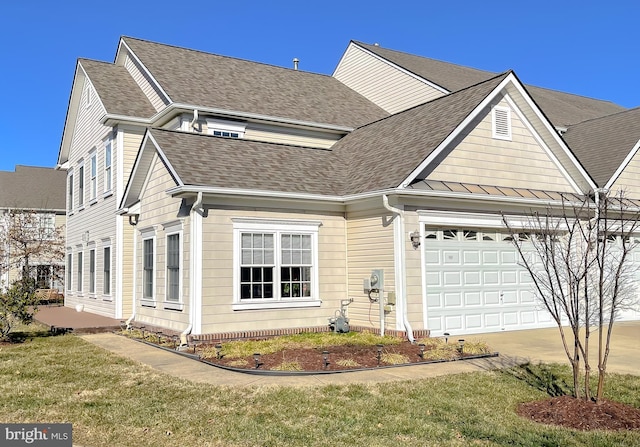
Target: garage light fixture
(414, 236)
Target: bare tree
(578, 256)
(31, 246)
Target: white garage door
(474, 284)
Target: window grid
(147, 259)
(295, 272)
(94, 178)
(257, 266)
(106, 271)
(92, 271)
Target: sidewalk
(517, 347)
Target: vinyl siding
(380, 82)
(218, 261)
(158, 210)
(413, 268)
(629, 179)
(90, 225)
(369, 246)
(146, 85)
(478, 158)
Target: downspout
(192, 125)
(195, 208)
(135, 273)
(398, 237)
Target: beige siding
(369, 246)
(147, 86)
(131, 142)
(297, 137)
(218, 261)
(520, 163)
(158, 210)
(413, 267)
(384, 84)
(629, 179)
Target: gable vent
(501, 118)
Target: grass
(112, 401)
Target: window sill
(147, 303)
(107, 194)
(80, 208)
(93, 202)
(92, 296)
(253, 305)
(172, 305)
(107, 298)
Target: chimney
(295, 63)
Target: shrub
(17, 305)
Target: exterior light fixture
(379, 355)
(421, 353)
(461, 346)
(256, 359)
(325, 358)
(446, 337)
(415, 239)
(218, 347)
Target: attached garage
(473, 283)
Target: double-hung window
(81, 186)
(92, 270)
(106, 271)
(148, 264)
(173, 267)
(69, 270)
(276, 263)
(79, 272)
(70, 186)
(93, 185)
(107, 166)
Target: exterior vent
(501, 119)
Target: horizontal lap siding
(381, 83)
(519, 163)
(629, 180)
(413, 274)
(297, 137)
(369, 246)
(97, 217)
(159, 209)
(217, 282)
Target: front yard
(114, 402)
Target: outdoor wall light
(415, 239)
(325, 358)
(256, 359)
(461, 346)
(421, 353)
(218, 347)
(379, 355)
(446, 337)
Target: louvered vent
(502, 123)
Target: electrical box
(366, 285)
(391, 298)
(377, 279)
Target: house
(220, 197)
(36, 197)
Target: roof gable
(562, 109)
(207, 80)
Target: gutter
(400, 271)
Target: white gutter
(400, 271)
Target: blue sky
(583, 47)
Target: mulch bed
(580, 414)
(311, 359)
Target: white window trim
(69, 275)
(80, 272)
(93, 177)
(276, 227)
(226, 126)
(107, 181)
(107, 296)
(179, 304)
(494, 130)
(149, 234)
(81, 181)
(70, 191)
(88, 95)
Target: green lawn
(112, 401)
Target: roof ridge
(633, 109)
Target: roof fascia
(510, 79)
(394, 65)
(554, 133)
(173, 108)
(119, 58)
(632, 153)
(72, 111)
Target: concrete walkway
(540, 345)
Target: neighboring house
(251, 199)
(40, 193)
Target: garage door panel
(509, 277)
(472, 298)
(491, 278)
(492, 320)
(489, 257)
(432, 257)
(434, 300)
(433, 279)
(528, 317)
(473, 321)
(510, 297)
(453, 323)
(452, 300)
(451, 257)
(510, 319)
(472, 278)
(491, 298)
(471, 257)
(452, 279)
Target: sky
(586, 47)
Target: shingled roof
(562, 109)
(117, 90)
(33, 188)
(602, 144)
(382, 154)
(208, 80)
